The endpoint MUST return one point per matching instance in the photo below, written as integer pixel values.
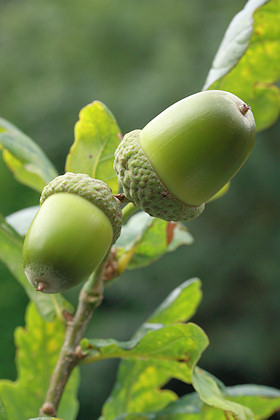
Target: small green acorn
(186, 154)
(77, 222)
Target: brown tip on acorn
(40, 287)
(244, 108)
(48, 408)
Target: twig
(90, 298)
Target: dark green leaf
(144, 239)
(11, 256)
(38, 345)
(211, 394)
(138, 383)
(247, 62)
(24, 158)
(97, 135)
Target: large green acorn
(77, 222)
(186, 154)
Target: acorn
(186, 154)
(78, 221)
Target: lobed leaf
(263, 401)
(174, 347)
(180, 305)
(247, 61)
(24, 158)
(210, 393)
(97, 135)
(136, 248)
(11, 255)
(38, 346)
(138, 384)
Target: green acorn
(77, 222)
(186, 154)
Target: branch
(90, 298)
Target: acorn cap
(143, 187)
(93, 190)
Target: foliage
(165, 346)
(38, 347)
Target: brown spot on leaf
(170, 231)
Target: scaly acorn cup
(186, 154)
(77, 222)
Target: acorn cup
(78, 221)
(186, 154)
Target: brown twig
(90, 298)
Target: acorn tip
(40, 287)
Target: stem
(127, 211)
(90, 298)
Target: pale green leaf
(21, 220)
(247, 62)
(180, 305)
(38, 346)
(97, 135)
(262, 400)
(11, 255)
(138, 384)
(211, 394)
(24, 158)
(144, 239)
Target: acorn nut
(77, 222)
(186, 154)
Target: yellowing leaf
(24, 158)
(38, 346)
(168, 351)
(247, 62)
(97, 135)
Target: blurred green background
(138, 57)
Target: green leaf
(188, 407)
(138, 384)
(220, 193)
(21, 220)
(211, 394)
(247, 62)
(11, 255)
(38, 346)
(262, 400)
(136, 248)
(3, 412)
(180, 305)
(97, 135)
(24, 158)
(174, 347)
